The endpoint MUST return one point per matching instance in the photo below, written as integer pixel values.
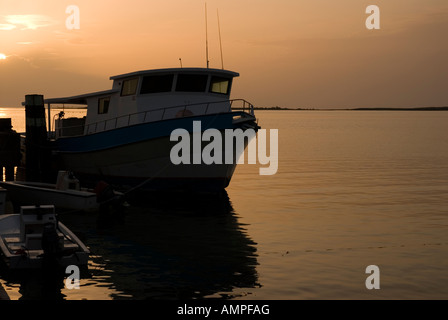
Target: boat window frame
(172, 76)
(103, 109)
(229, 84)
(131, 93)
(181, 75)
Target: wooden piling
(37, 149)
(10, 154)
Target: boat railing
(182, 111)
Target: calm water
(353, 189)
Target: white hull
(147, 161)
(35, 193)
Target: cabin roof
(80, 99)
(177, 70)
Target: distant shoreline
(354, 109)
(319, 109)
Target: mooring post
(10, 154)
(37, 149)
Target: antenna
(220, 42)
(180, 59)
(206, 35)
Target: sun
(2, 56)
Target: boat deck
(14, 244)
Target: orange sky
(290, 53)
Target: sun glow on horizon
(3, 56)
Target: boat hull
(19, 262)
(33, 259)
(36, 193)
(141, 156)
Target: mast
(206, 36)
(220, 42)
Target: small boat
(34, 237)
(65, 194)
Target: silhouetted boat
(35, 237)
(124, 138)
(66, 193)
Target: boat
(125, 136)
(34, 238)
(65, 194)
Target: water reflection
(39, 284)
(169, 246)
(36, 284)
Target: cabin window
(220, 85)
(129, 87)
(103, 105)
(191, 83)
(157, 84)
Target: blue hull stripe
(141, 132)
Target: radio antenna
(206, 36)
(220, 42)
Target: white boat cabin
(147, 96)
